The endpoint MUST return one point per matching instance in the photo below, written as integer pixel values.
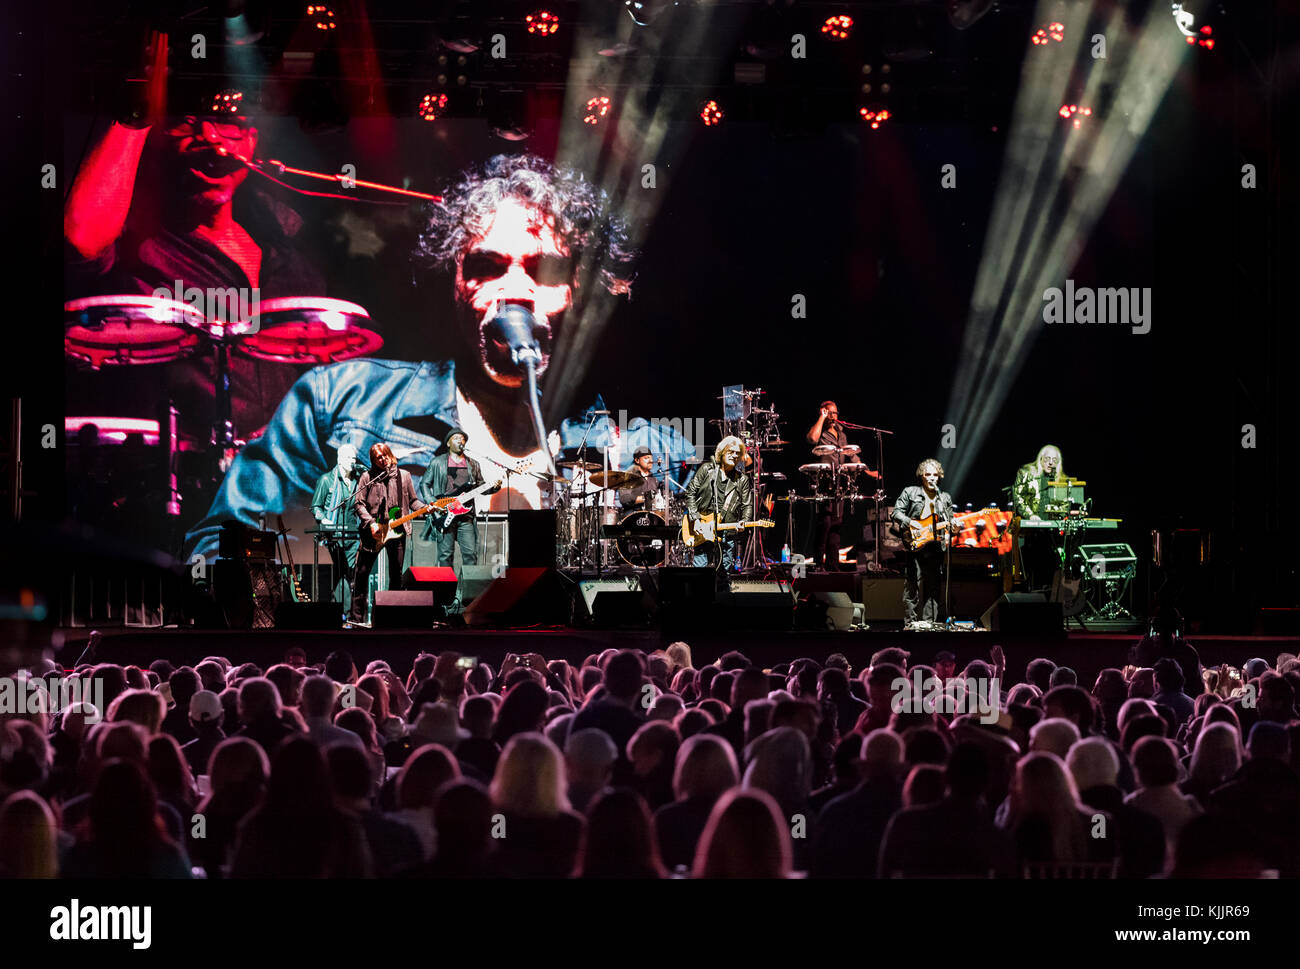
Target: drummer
(643, 493)
(830, 446)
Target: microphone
(515, 328)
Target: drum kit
(591, 533)
(838, 477)
(129, 330)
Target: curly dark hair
(592, 233)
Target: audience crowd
(644, 766)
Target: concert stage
(1085, 652)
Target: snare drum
(306, 330)
(821, 479)
(643, 553)
(110, 331)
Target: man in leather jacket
(383, 493)
(721, 488)
(923, 580)
(449, 473)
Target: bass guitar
(924, 531)
(706, 529)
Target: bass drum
(643, 553)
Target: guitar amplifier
(244, 542)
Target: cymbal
(580, 465)
(615, 479)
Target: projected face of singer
(519, 259)
(201, 174)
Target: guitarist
(453, 472)
(381, 489)
(924, 566)
(722, 488)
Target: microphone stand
(583, 538)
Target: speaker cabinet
(308, 615)
(532, 539)
(522, 597)
(1025, 613)
(405, 609)
(616, 601)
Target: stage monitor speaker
(1025, 612)
(840, 582)
(440, 580)
(882, 597)
(970, 598)
(522, 597)
(405, 609)
(532, 539)
(687, 587)
(616, 601)
(758, 604)
(309, 615)
(474, 579)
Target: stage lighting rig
(321, 17)
(646, 12)
(542, 23)
(1074, 114)
(1048, 33)
(432, 106)
(875, 117)
(596, 110)
(838, 27)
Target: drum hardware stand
(874, 565)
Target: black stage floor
(1085, 652)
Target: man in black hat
(641, 494)
(453, 472)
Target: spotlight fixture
(1074, 114)
(596, 110)
(838, 27)
(321, 16)
(432, 106)
(645, 12)
(711, 113)
(964, 13)
(875, 117)
(1055, 31)
(542, 23)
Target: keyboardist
(1040, 554)
(331, 506)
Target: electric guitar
(706, 529)
(923, 532)
(451, 507)
(298, 594)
